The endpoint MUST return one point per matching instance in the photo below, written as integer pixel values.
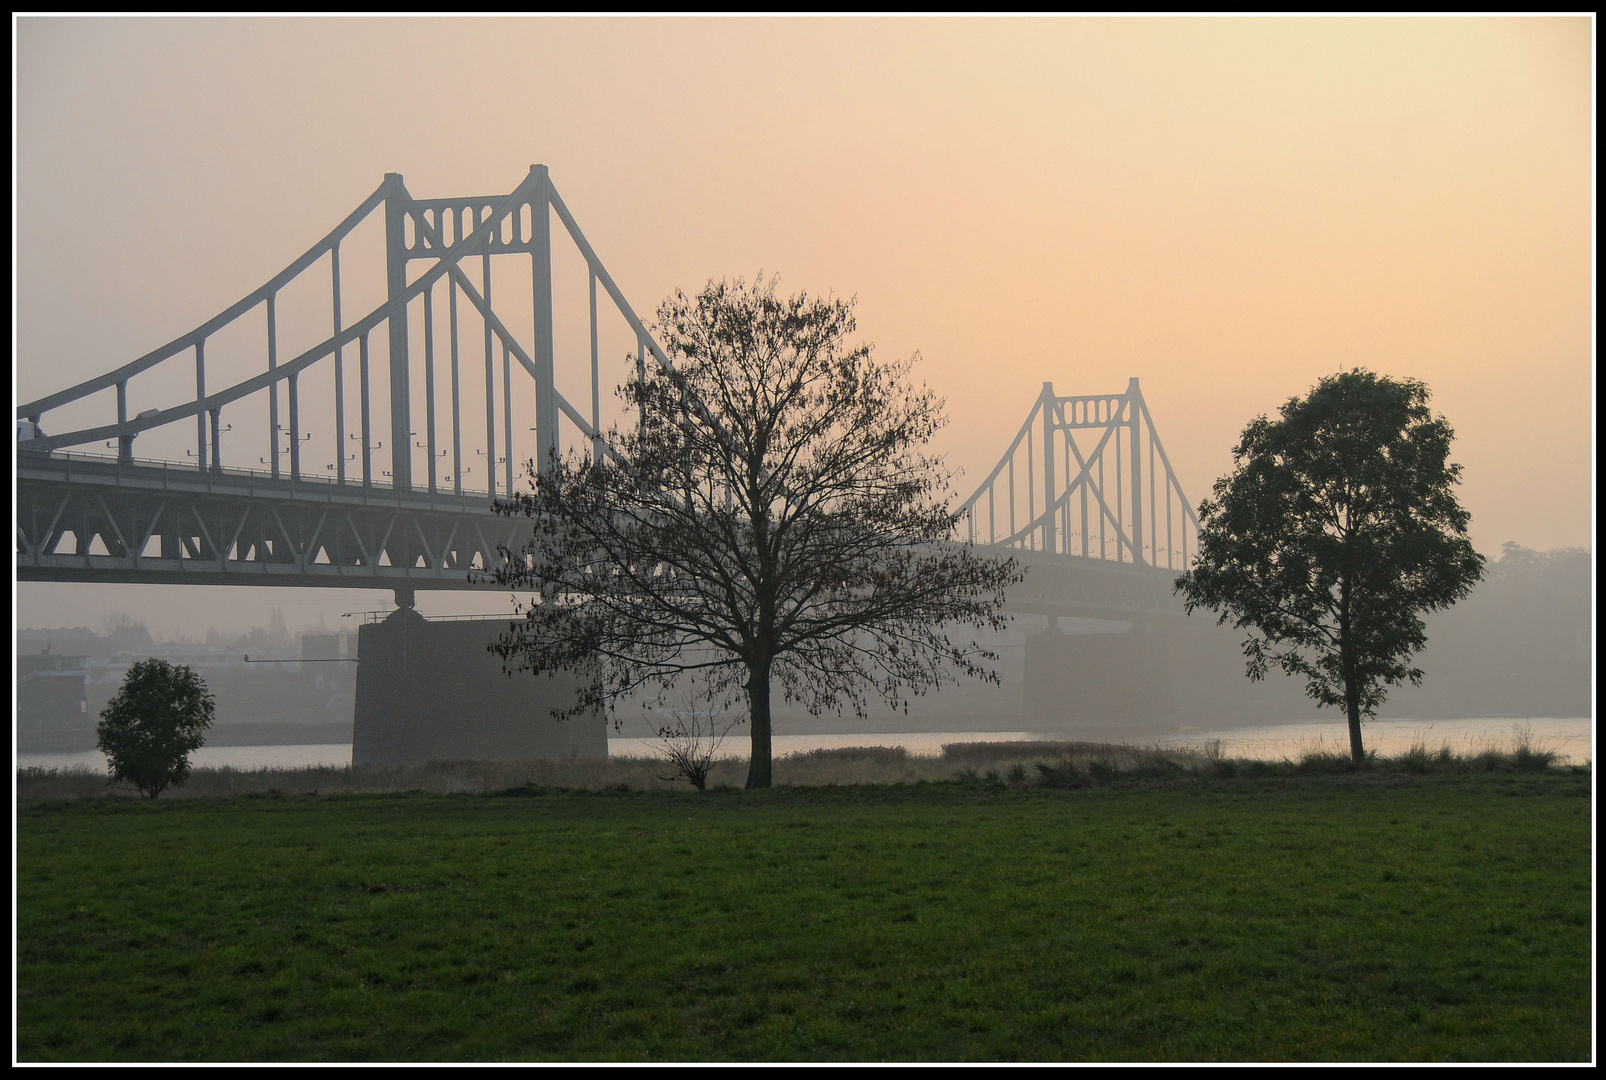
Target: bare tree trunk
(758, 697)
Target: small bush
(1416, 759)
(1527, 755)
(151, 725)
(1163, 768)
(1060, 774)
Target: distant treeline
(1519, 645)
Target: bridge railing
(1085, 476)
(183, 470)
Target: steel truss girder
(145, 524)
(155, 525)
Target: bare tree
(688, 744)
(774, 518)
(117, 620)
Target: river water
(1572, 738)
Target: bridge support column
(433, 691)
(1099, 685)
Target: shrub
(149, 727)
(689, 744)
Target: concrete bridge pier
(430, 690)
(1100, 685)
(1156, 677)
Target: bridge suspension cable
(446, 234)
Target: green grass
(1440, 917)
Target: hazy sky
(1228, 209)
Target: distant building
(75, 640)
(283, 701)
(52, 705)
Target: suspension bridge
(424, 399)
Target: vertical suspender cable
(457, 409)
(200, 393)
(1031, 495)
(340, 374)
(1154, 520)
(641, 380)
(507, 416)
(1012, 493)
(596, 373)
(490, 380)
(429, 382)
(362, 385)
(273, 388)
(1120, 491)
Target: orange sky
(1228, 209)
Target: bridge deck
(161, 523)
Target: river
(1572, 738)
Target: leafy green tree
(1336, 529)
(774, 519)
(149, 727)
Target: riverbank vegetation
(1413, 911)
(1021, 763)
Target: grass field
(1431, 917)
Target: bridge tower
(1117, 498)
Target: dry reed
(1047, 764)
